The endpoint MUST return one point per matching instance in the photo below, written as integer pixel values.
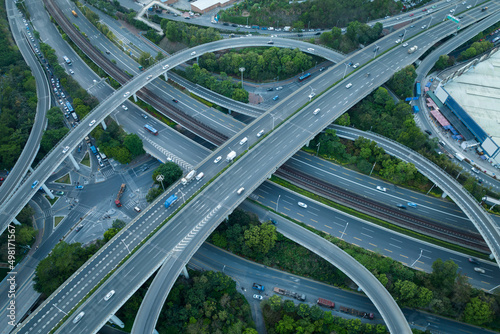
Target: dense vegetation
(188, 34)
(260, 64)
(171, 172)
(116, 143)
(283, 317)
(18, 98)
(205, 303)
(62, 262)
(445, 291)
(356, 34)
(307, 14)
(225, 86)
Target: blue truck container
(255, 27)
(92, 148)
(417, 89)
(415, 109)
(259, 287)
(170, 200)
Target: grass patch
(86, 160)
(58, 219)
(52, 200)
(377, 221)
(65, 179)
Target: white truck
(459, 157)
(287, 28)
(413, 49)
(189, 177)
(231, 156)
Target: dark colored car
(274, 222)
(299, 35)
(428, 132)
(318, 33)
(225, 24)
(234, 25)
(473, 260)
(270, 89)
(322, 69)
(175, 100)
(401, 206)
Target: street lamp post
(242, 69)
(317, 151)
(277, 202)
(421, 251)
(160, 178)
(346, 224)
(346, 65)
(430, 22)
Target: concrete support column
(16, 222)
(308, 142)
(269, 176)
(135, 97)
(47, 191)
(115, 320)
(166, 76)
(73, 161)
(229, 111)
(103, 125)
(444, 195)
(185, 272)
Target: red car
(424, 10)
(412, 14)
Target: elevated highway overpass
(267, 149)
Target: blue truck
(93, 149)
(258, 287)
(415, 109)
(170, 201)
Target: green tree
(261, 238)
(170, 171)
(134, 144)
(110, 233)
(477, 312)
(275, 302)
(443, 275)
(55, 118)
(153, 193)
(118, 224)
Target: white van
(138, 209)
(240, 190)
(199, 176)
(243, 141)
(315, 112)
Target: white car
(258, 297)
(66, 149)
(126, 94)
(381, 188)
(349, 85)
(261, 132)
(479, 270)
(109, 295)
(302, 205)
(149, 77)
(165, 67)
(124, 107)
(144, 116)
(78, 317)
(279, 88)
(193, 53)
(469, 7)
(452, 10)
(355, 65)
(219, 158)
(71, 71)
(475, 170)
(423, 27)
(405, 45)
(92, 122)
(398, 41)
(310, 49)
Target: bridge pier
(115, 320)
(185, 272)
(229, 111)
(103, 125)
(47, 191)
(73, 161)
(16, 222)
(166, 75)
(444, 195)
(135, 97)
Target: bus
(417, 89)
(66, 59)
(151, 129)
(70, 107)
(304, 77)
